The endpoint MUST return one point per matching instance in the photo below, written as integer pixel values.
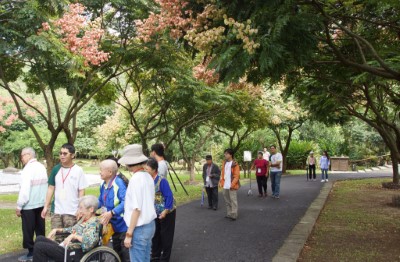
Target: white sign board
(247, 156)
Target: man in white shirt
(67, 183)
(230, 177)
(31, 200)
(157, 151)
(140, 212)
(275, 171)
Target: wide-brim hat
(132, 154)
(311, 152)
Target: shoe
(323, 180)
(232, 219)
(260, 195)
(215, 208)
(314, 179)
(265, 195)
(326, 180)
(25, 258)
(228, 217)
(276, 197)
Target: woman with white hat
(139, 205)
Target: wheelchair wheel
(101, 254)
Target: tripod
(177, 177)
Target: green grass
(356, 224)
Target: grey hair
(30, 151)
(89, 201)
(110, 164)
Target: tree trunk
(192, 170)
(395, 168)
(48, 156)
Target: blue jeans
(141, 242)
(326, 173)
(275, 182)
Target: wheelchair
(98, 254)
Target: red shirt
(261, 167)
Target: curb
(294, 243)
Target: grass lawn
(357, 224)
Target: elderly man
(140, 212)
(111, 202)
(31, 200)
(211, 175)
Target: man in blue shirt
(111, 202)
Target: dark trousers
(47, 249)
(311, 172)
(32, 223)
(119, 247)
(212, 195)
(262, 184)
(163, 238)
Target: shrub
(298, 153)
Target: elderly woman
(166, 214)
(139, 205)
(83, 236)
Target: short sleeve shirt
(275, 158)
(67, 182)
(261, 167)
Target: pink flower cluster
(201, 72)
(171, 16)
(81, 36)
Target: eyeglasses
(64, 153)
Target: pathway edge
(294, 243)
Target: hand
(128, 241)
(18, 212)
(69, 239)
(105, 218)
(78, 215)
(44, 212)
(52, 233)
(163, 214)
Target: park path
(258, 233)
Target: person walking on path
(211, 176)
(166, 215)
(157, 151)
(324, 163)
(139, 205)
(311, 161)
(31, 199)
(67, 183)
(230, 182)
(276, 171)
(111, 203)
(261, 166)
(266, 154)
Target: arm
(134, 218)
(119, 209)
(204, 174)
(216, 172)
(49, 195)
(168, 197)
(236, 175)
(23, 196)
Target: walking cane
(250, 193)
(202, 197)
(307, 172)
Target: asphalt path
(263, 224)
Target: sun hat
(311, 152)
(132, 154)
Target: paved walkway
(260, 231)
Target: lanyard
(108, 189)
(62, 175)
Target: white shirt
(266, 155)
(68, 183)
(33, 186)
(275, 158)
(228, 175)
(163, 169)
(140, 195)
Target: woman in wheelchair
(83, 237)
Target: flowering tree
(285, 117)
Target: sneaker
(323, 180)
(25, 258)
(326, 180)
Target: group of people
(267, 164)
(139, 213)
(324, 163)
